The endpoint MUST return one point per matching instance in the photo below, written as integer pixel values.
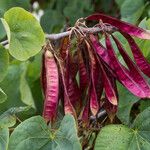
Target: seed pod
(135, 72)
(140, 60)
(68, 108)
(83, 74)
(52, 87)
(121, 25)
(94, 105)
(100, 49)
(108, 87)
(123, 74)
(64, 47)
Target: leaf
(2, 31)
(126, 101)
(118, 140)
(34, 134)
(70, 11)
(119, 2)
(34, 68)
(4, 138)
(7, 4)
(133, 13)
(11, 85)
(24, 33)
(144, 104)
(25, 91)
(3, 96)
(4, 62)
(8, 118)
(144, 44)
(55, 23)
(123, 138)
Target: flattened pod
(83, 74)
(121, 25)
(109, 88)
(52, 87)
(135, 72)
(140, 60)
(68, 108)
(123, 74)
(94, 105)
(65, 46)
(102, 52)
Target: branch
(58, 36)
(85, 30)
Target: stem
(85, 30)
(58, 36)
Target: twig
(85, 30)
(58, 36)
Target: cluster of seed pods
(84, 79)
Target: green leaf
(4, 138)
(113, 137)
(7, 4)
(24, 32)
(8, 118)
(3, 96)
(55, 23)
(10, 85)
(76, 9)
(4, 62)
(126, 101)
(25, 91)
(34, 68)
(144, 104)
(34, 134)
(133, 13)
(124, 138)
(119, 2)
(145, 44)
(2, 31)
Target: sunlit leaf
(25, 34)
(125, 138)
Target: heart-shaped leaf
(34, 134)
(24, 32)
(125, 138)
